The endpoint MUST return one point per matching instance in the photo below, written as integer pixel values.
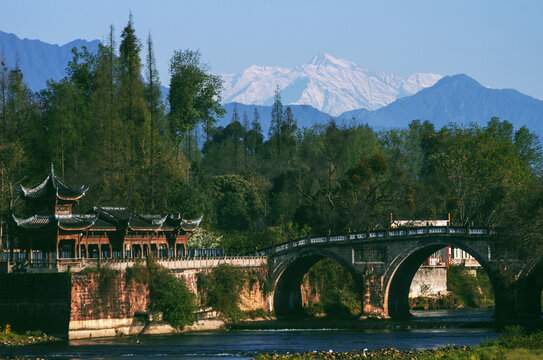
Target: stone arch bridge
(383, 264)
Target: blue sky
(497, 42)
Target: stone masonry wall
(105, 305)
(429, 281)
(93, 298)
(35, 302)
(253, 296)
(83, 305)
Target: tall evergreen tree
(156, 108)
(277, 119)
(105, 111)
(254, 136)
(245, 124)
(133, 110)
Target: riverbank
(8, 339)
(444, 319)
(449, 353)
(513, 343)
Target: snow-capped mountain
(328, 84)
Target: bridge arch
(400, 272)
(289, 273)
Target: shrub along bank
(167, 293)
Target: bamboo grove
(106, 124)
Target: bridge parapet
(196, 263)
(379, 234)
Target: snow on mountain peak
(326, 59)
(326, 83)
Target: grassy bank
(513, 344)
(10, 338)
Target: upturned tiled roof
(52, 187)
(50, 222)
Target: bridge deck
(380, 235)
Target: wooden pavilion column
(78, 246)
(57, 241)
(141, 248)
(149, 251)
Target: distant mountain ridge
(459, 99)
(40, 61)
(328, 84)
(456, 98)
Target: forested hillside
(105, 124)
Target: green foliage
(138, 273)
(237, 202)
(171, 296)
(194, 97)
(449, 301)
(334, 287)
(104, 123)
(464, 290)
(220, 289)
(203, 239)
(167, 293)
(516, 336)
(11, 338)
(470, 290)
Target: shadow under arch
(287, 299)
(400, 273)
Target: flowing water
(247, 343)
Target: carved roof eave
(161, 221)
(22, 221)
(56, 183)
(87, 226)
(104, 212)
(52, 221)
(191, 225)
(83, 190)
(158, 224)
(26, 191)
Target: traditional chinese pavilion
(103, 233)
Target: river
(246, 343)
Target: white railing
(76, 265)
(374, 235)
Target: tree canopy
(106, 124)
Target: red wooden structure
(55, 233)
